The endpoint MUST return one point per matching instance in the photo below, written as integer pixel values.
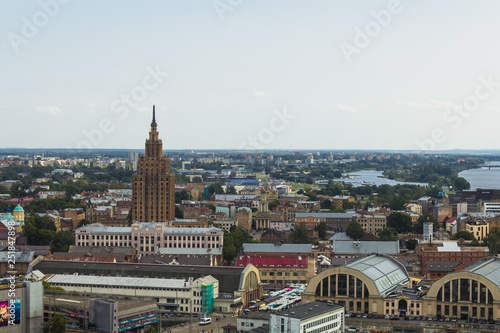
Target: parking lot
(422, 319)
(389, 321)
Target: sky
(239, 74)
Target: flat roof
(229, 278)
(308, 310)
(118, 281)
(277, 248)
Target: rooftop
(384, 271)
(325, 215)
(488, 268)
(364, 247)
(230, 278)
(309, 310)
(277, 248)
(260, 262)
(115, 281)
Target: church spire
(153, 123)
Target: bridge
(489, 166)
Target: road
(195, 328)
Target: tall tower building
(153, 185)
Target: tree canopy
(300, 235)
(355, 230)
(401, 222)
(465, 235)
(419, 228)
(233, 242)
(388, 234)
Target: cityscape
(232, 166)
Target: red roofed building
(22, 201)
(281, 270)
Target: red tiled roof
(14, 200)
(272, 262)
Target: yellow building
(372, 223)
(479, 229)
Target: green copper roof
(18, 209)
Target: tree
(493, 241)
(39, 230)
(419, 229)
(230, 189)
(300, 235)
(326, 204)
(461, 184)
(215, 188)
(151, 329)
(397, 203)
(321, 228)
(401, 222)
(411, 244)
(465, 235)
(62, 241)
(179, 214)
(388, 234)
(233, 243)
(56, 325)
(83, 222)
(355, 230)
(182, 195)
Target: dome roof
(18, 209)
(8, 216)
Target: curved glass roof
(489, 268)
(385, 272)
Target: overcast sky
(250, 74)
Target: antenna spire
(153, 123)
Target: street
(196, 328)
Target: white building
(179, 295)
(428, 232)
(312, 317)
(147, 237)
(491, 207)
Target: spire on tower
(153, 123)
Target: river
(483, 177)
(373, 177)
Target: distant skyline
(339, 75)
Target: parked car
(205, 321)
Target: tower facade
(153, 184)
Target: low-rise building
(339, 200)
(356, 249)
(277, 250)
(449, 251)
(251, 320)
(238, 286)
(281, 270)
(149, 236)
(479, 228)
(309, 317)
(372, 223)
(335, 221)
